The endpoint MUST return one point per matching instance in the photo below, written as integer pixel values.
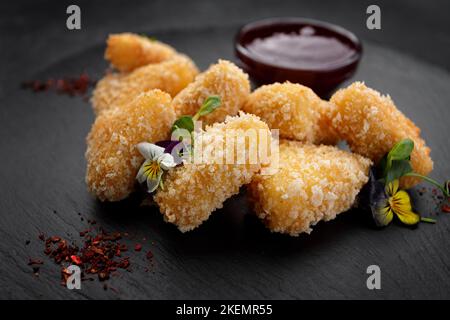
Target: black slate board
(232, 255)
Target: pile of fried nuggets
(154, 85)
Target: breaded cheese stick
(313, 183)
(224, 79)
(371, 124)
(128, 51)
(112, 157)
(193, 191)
(117, 90)
(294, 109)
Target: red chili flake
(124, 263)
(100, 254)
(98, 251)
(68, 85)
(41, 236)
(446, 208)
(75, 259)
(149, 255)
(65, 274)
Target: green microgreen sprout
(184, 126)
(396, 164)
(387, 199)
(208, 106)
(187, 122)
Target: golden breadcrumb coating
(371, 124)
(325, 133)
(112, 158)
(193, 191)
(224, 79)
(313, 183)
(117, 90)
(128, 51)
(292, 108)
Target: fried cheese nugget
(371, 124)
(117, 90)
(224, 79)
(128, 51)
(193, 191)
(313, 183)
(112, 157)
(294, 109)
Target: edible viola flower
(395, 202)
(156, 162)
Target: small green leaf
(401, 151)
(184, 122)
(398, 169)
(209, 105)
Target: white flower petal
(141, 175)
(150, 151)
(152, 184)
(166, 161)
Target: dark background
(232, 255)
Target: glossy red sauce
(314, 53)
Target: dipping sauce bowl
(316, 54)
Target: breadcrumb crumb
(117, 90)
(371, 124)
(193, 191)
(313, 183)
(224, 79)
(112, 158)
(128, 51)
